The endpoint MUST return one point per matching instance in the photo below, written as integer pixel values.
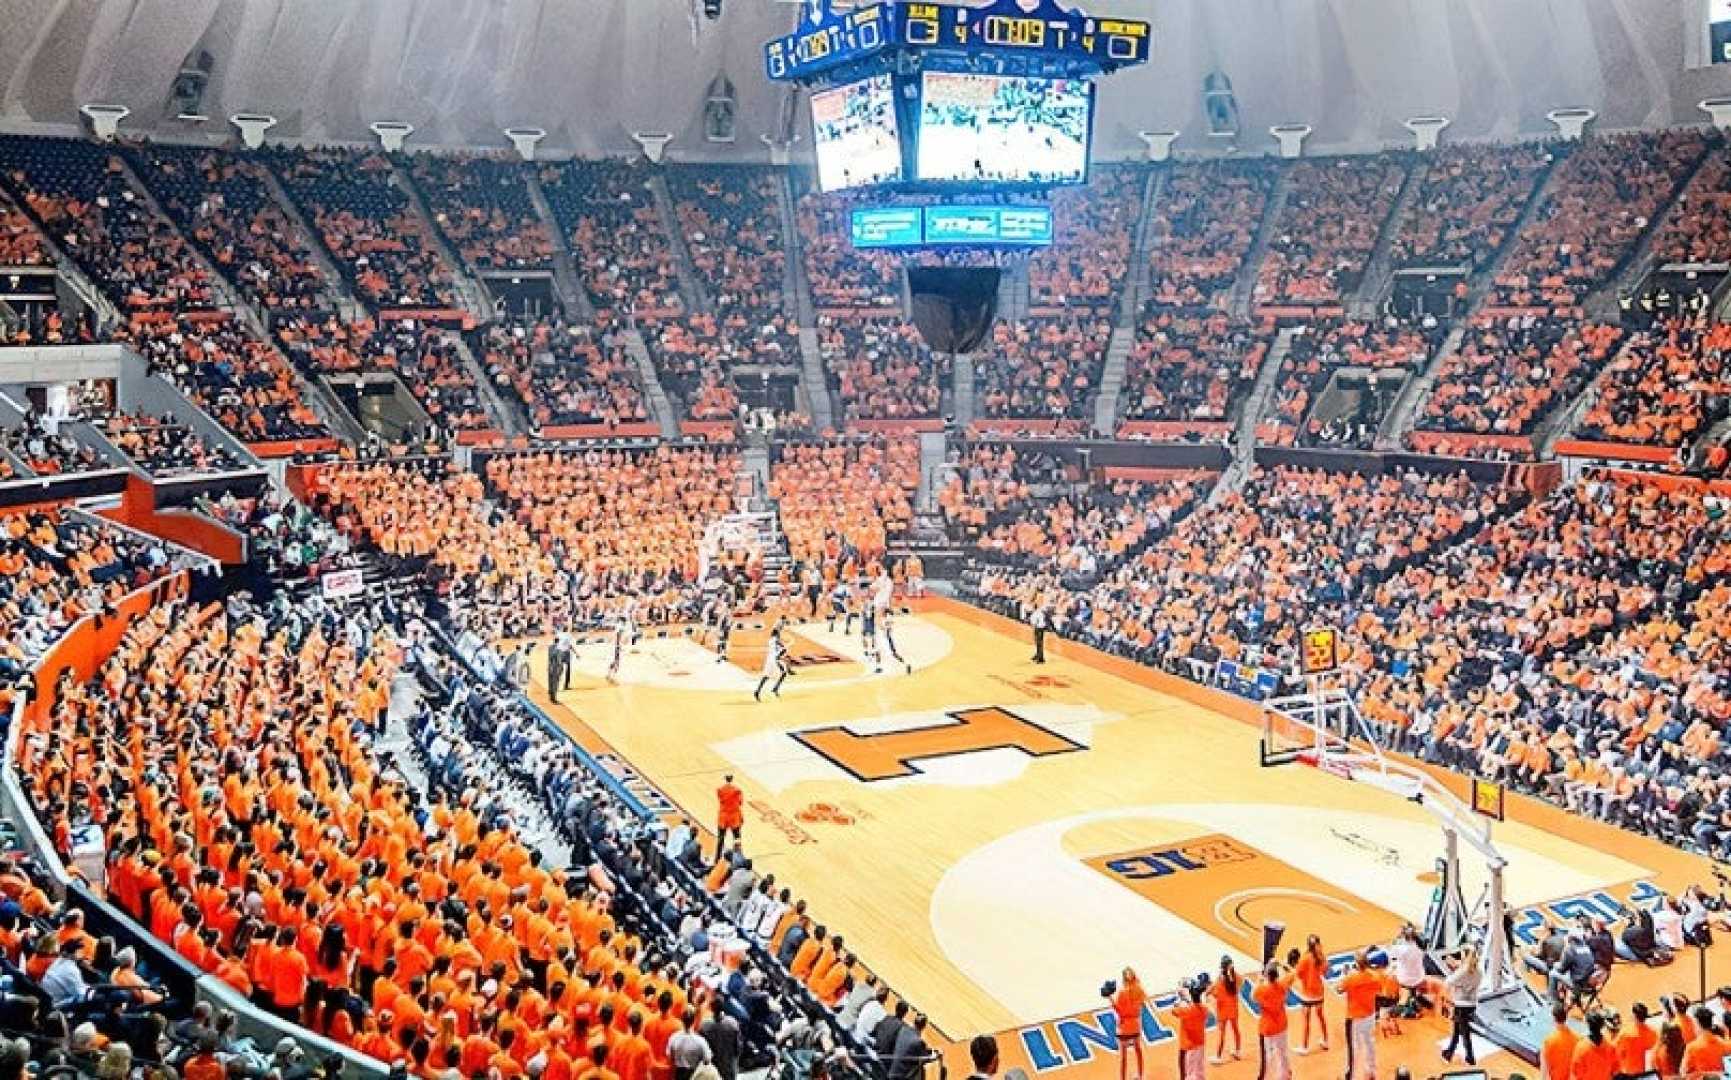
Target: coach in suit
(1040, 622)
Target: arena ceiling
(589, 71)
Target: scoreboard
(951, 226)
(828, 40)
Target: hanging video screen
(856, 135)
(1004, 129)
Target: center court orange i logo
(892, 754)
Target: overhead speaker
(953, 306)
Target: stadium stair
(506, 412)
(1244, 432)
(1601, 303)
(1379, 270)
(1244, 289)
(1014, 296)
(659, 403)
(691, 288)
(349, 306)
(1112, 380)
(1565, 417)
(1399, 420)
(330, 411)
(1136, 286)
(470, 289)
(962, 382)
(811, 376)
(565, 281)
(791, 278)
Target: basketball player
(723, 631)
(869, 631)
(838, 603)
(620, 629)
(890, 642)
(774, 664)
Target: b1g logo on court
(896, 754)
(1214, 851)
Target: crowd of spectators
(1191, 364)
(1509, 372)
(1333, 216)
(484, 208)
(1095, 228)
(1698, 228)
(1602, 198)
(619, 520)
(608, 215)
(79, 192)
(55, 569)
(563, 373)
(730, 218)
(696, 354)
(423, 355)
(854, 495)
(368, 223)
(1042, 368)
(1027, 511)
(1667, 386)
(46, 450)
(1468, 202)
(881, 369)
(841, 275)
(1240, 580)
(1563, 645)
(164, 447)
(1203, 226)
(1323, 348)
(245, 385)
(20, 241)
(223, 202)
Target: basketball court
(996, 838)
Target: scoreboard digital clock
(828, 39)
(829, 43)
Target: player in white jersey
(774, 665)
(624, 633)
(890, 640)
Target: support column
(392, 134)
(105, 119)
(1291, 138)
(525, 140)
(1159, 144)
(1571, 123)
(252, 127)
(654, 144)
(1426, 130)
